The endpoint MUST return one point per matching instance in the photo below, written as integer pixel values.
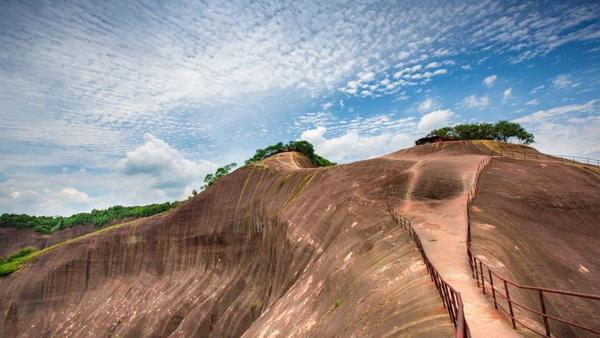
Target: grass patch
(13, 262)
(336, 303)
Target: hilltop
(281, 247)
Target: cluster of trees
(49, 224)
(304, 147)
(501, 131)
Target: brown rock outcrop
(274, 249)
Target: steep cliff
(537, 222)
(274, 249)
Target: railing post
(449, 303)
(546, 325)
(482, 278)
(476, 272)
(510, 307)
(455, 305)
(493, 291)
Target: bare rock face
(13, 239)
(538, 223)
(275, 249)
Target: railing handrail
(479, 273)
(541, 156)
(451, 298)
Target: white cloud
(15, 194)
(163, 165)
(532, 102)
(426, 105)
(474, 101)
(554, 112)
(432, 65)
(366, 77)
(490, 80)
(352, 146)
(327, 105)
(433, 120)
(567, 130)
(537, 89)
(563, 81)
(577, 136)
(440, 72)
(80, 88)
(507, 94)
(73, 195)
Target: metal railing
(451, 298)
(497, 287)
(539, 156)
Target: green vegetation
(14, 261)
(49, 224)
(337, 302)
(501, 131)
(302, 146)
(210, 179)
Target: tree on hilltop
(501, 131)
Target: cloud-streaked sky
(130, 102)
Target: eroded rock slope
(274, 249)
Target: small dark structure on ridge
(433, 139)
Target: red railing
(539, 156)
(451, 298)
(501, 293)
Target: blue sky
(125, 102)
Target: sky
(130, 102)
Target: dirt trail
(436, 206)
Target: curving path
(436, 206)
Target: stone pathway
(442, 227)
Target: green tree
(507, 131)
(501, 131)
(443, 132)
(210, 179)
(47, 224)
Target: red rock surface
(274, 249)
(13, 239)
(281, 248)
(538, 223)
